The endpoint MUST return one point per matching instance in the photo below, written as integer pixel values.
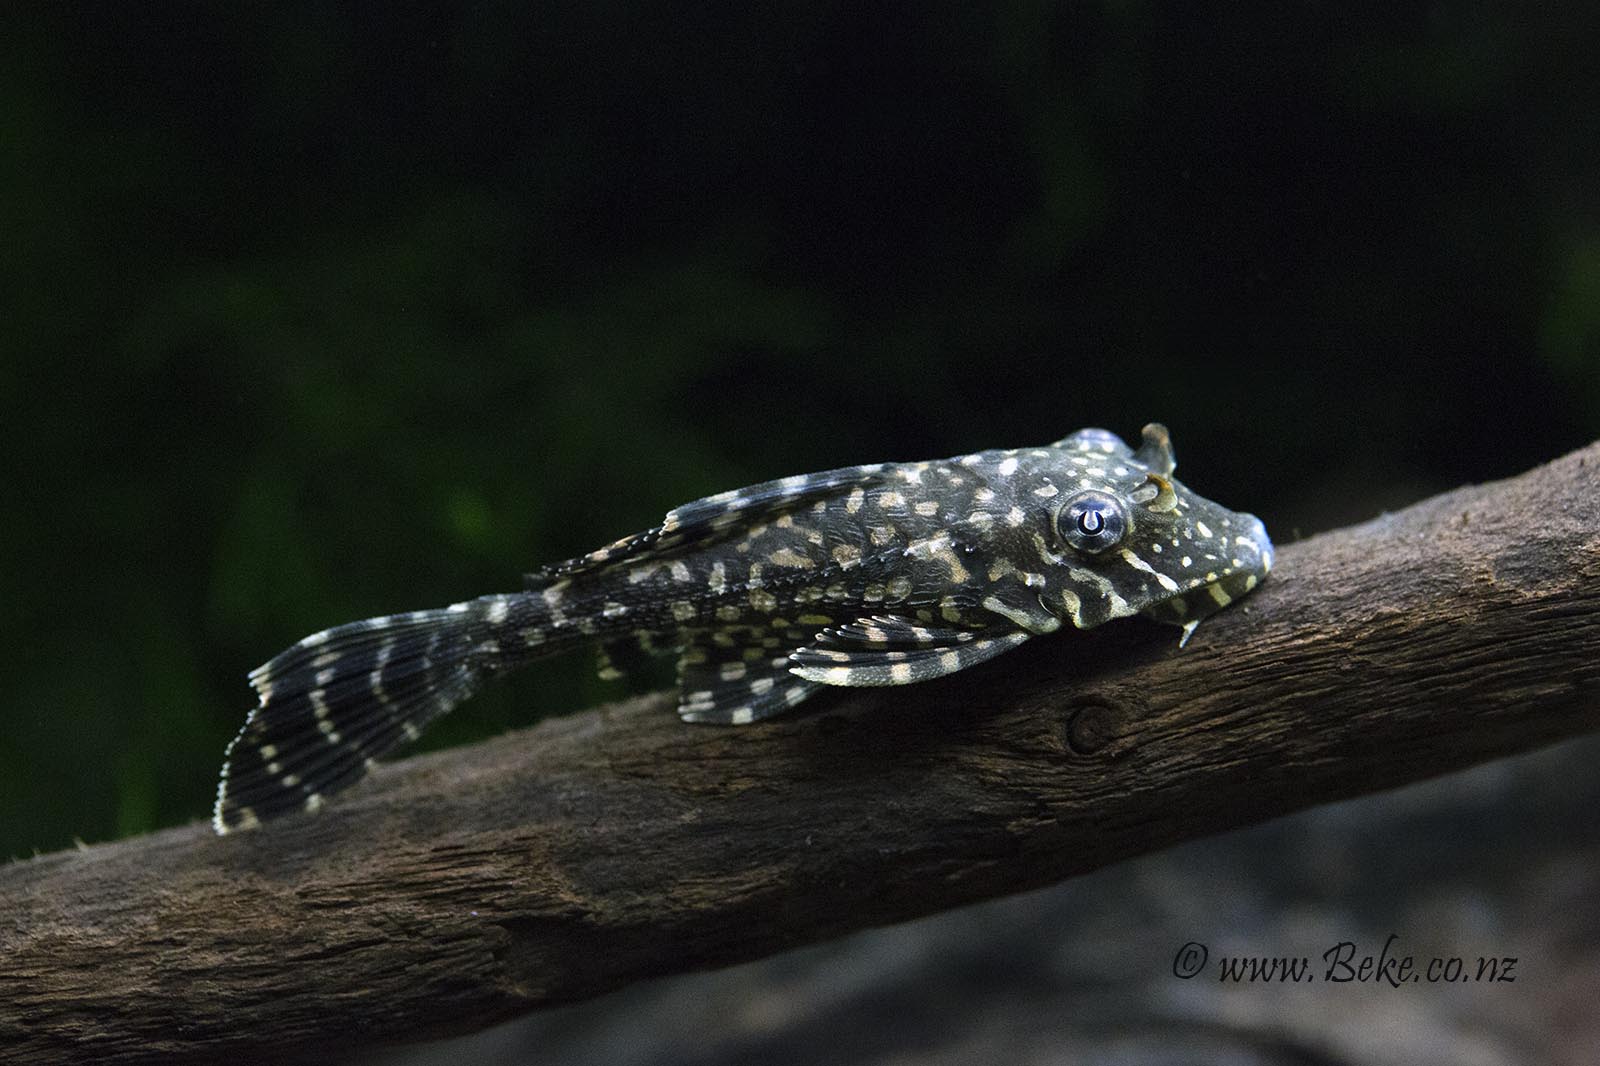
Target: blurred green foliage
(308, 314)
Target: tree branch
(460, 888)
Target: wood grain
(460, 888)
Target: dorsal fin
(711, 518)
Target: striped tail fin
(334, 702)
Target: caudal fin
(338, 699)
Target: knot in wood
(1093, 722)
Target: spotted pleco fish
(869, 575)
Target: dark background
(310, 312)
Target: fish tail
(334, 702)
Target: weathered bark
(462, 887)
(1496, 862)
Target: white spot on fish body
(1074, 606)
(1008, 612)
(1044, 550)
(1007, 467)
(790, 557)
(1139, 564)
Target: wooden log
(463, 887)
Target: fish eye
(1091, 521)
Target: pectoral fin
(895, 651)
